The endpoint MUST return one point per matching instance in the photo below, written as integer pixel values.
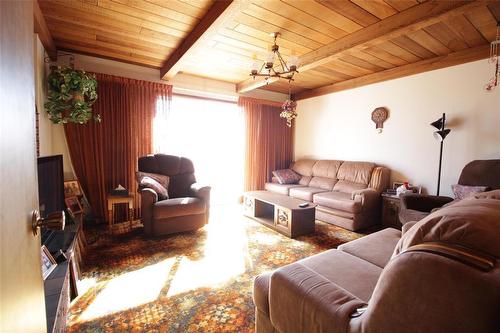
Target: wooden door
(22, 306)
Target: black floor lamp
(440, 135)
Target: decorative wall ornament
(379, 115)
(289, 112)
(494, 60)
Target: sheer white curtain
(211, 134)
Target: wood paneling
(451, 59)
(43, 31)
(336, 40)
(207, 27)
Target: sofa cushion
(286, 176)
(464, 191)
(305, 180)
(376, 248)
(322, 182)
(148, 182)
(470, 222)
(326, 168)
(351, 273)
(305, 193)
(280, 188)
(356, 172)
(162, 179)
(178, 207)
(303, 167)
(348, 186)
(338, 200)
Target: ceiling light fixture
(494, 60)
(275, 66)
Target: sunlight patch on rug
(129, 290)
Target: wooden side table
(391, 205)
(115, 200)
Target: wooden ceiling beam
(452, 59)
(252, 84)
(40, 27)
(402, 23)
(221, 12)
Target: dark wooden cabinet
(61, 285)
(390, 211)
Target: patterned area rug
(193, 282)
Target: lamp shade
(438, 123)
(441, 135)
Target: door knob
(53, 221)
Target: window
(211, 134)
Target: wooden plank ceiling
(341, 44)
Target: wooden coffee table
(280, 212)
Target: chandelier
(494, 59)
(275, 66)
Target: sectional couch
(347, 194)
(440, 274)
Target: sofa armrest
(148, 198)
(423, 203)
(300, 300)
(365, 194)
(379, 180)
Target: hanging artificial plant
(71, 95)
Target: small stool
(114, 200)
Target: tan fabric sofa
(441, 275)
(347, 193)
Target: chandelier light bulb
(270, 58)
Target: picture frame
(72, 189)
(47, 261)
(73, 205)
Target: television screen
(50, 184)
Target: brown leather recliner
(415, 207)
(188, 205)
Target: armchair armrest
(200, 191)
(203, 193)
(423, 203)
(148, 198)
(301, 300)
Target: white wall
(339, 125)
(51, 136)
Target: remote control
(302, 205)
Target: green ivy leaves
(71, 95)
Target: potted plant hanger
(71, 96)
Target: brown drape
(105, 154)
(269, 141)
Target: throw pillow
(162, 179)
(148, 182)
(463, 191)
(286, 176)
